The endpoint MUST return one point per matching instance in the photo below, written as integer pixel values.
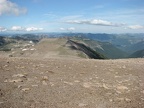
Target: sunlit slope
(105, 48)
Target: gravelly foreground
(71, 83)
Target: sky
(84, 16)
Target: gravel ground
(71, 83)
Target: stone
(1, 102)
(44, 82)
(87, 85)
(15, 80)
(105, 86)
(45, 78)
(69, 83)
(34, 85)
(19, 75)
(127, 100)
(110, 100)
(25, 89)
(82, 104)
(122, 88)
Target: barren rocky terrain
(71, 83)
(55, 73)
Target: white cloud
(67, 29)
(20, 28)
(2, 29)
(8, 7)
(62, 29)
(101, 22)
(17, 28)
(136, 27)
(95, 22)
(71, 29)
(33, 29)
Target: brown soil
(71, 83)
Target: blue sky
(94, 16)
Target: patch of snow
(32, 49)
(31, 42)
(24, 49)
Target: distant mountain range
(135, 47)
(111, 46)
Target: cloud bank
(8, 7)
(33, 29)
(95, 22)
(17, 28)
(28, 29)
(68, 29)
(136, 27)
(2, 29)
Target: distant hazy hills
(78, 45)
(136, 47)
(137, 54)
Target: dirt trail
(71, 83)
